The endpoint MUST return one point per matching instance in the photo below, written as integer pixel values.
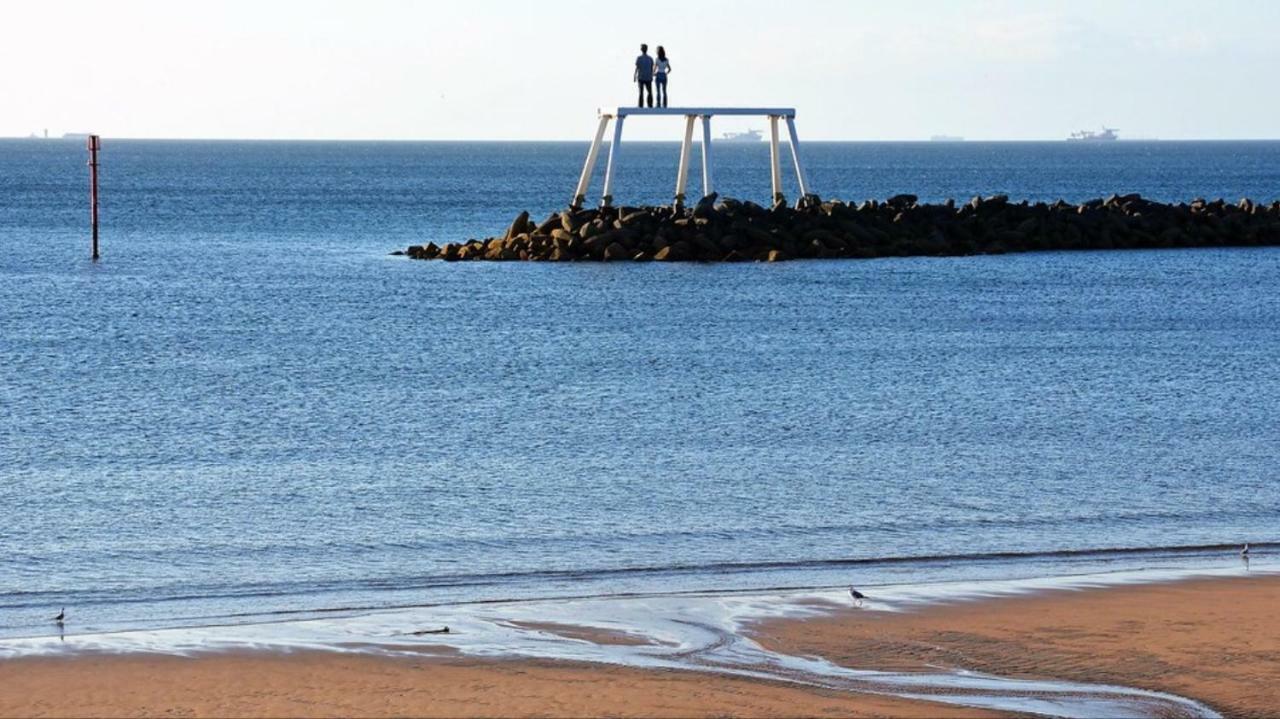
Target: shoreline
(713, 647)
(630, 583)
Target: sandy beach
(329, 685)
(1217, 641)
(1213, 640)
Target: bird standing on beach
(857, 596)
(61, 615)
(1245, 551)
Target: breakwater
(728, 230)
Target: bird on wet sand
(857, 596)
(61, 615)
(1245, 551)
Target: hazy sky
(481, 69)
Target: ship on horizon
(748, 136)
(1108, 134)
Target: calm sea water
(248, 407)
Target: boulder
(809, 202)
(706, 206)
(730, 242)
(677, 252)
(518, 225)
(727, 205)
(706, 247)
(635, 218)
(549, 224)
(615, 251)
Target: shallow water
(248, 408)
(699, 632)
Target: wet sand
(1213, 640)
(1216, 640)
(341, 685)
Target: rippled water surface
(249, 407)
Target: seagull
(1245, 551)
(61, 615)
(857, 596)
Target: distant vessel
(946, 138)
(748, 136)
(1107, 134)
(75, 135)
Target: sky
(489, 70)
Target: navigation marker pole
(95, 144)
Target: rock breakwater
(732, 231)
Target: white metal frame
(691, 114)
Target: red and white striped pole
(95, 144)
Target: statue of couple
(647, 70)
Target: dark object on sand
(424, 632)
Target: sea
(250, 410)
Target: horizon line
(926, 140)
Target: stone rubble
(732, 231)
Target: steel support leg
(706, 155)
(775, 163)
(611, 167)
(686, 149)
(589, 168)
(795, 158)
